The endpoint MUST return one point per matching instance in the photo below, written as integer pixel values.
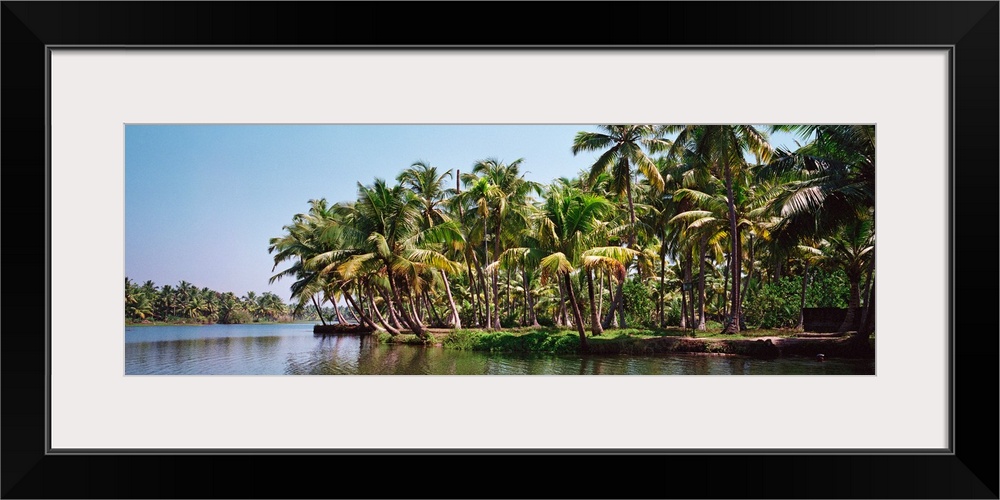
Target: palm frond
(621, 254)
(554, 264)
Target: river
(292, 349)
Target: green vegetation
(776, 304)
(619, 341)
(671, 237)
(546, 340)
(187, 304)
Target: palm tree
(310, 234)
(568, 222)
(500, 193)
(138, 302)
(830, 185)
(721, 149)
(525, 254)
(623, 146)
(428, 187)
(382, 230)
(852, 250)
(809, 252)
(481, 195)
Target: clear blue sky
(202, 201)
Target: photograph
(228, 193)
(569, 249)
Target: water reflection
(292, 349)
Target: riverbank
(768, 344)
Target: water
(293, 349)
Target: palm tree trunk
(430, 307)
(600, 290)
(411, 317)
(483, 309)
(853, 303)
(390, 310)
(738, 280)
(576, 315)
(866, 294)
(725, 286)
(352, 314)
(369, 304)
(472, 292)
(381, 319)
(802, 301)
(527, 293)
(868, 316)
(615, 305)
(595, 321)
(360, 312)
(532, 316)
(496, 276)
(868, 319)
(340, 317)
(621, 305)
(746, 285)
(736, 258)
(687, 288)
(455, 319)
(631, 207)
(485, 286)
(396, 314)
(702, 324)
(564, 320)
(510, 305)
(683, 308)
(419, 307)
(631, 244)
(663, 282)
(318, 311)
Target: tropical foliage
(186, 303)
(670, 225)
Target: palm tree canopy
(622, 146)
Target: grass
(547, 340)
(634, 341)
(562, 340)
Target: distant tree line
(188, 303)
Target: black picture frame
(969, 28)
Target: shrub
(638, 304)
(496, 341)
(776, 304)
(237, 317)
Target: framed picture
(78, 75)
